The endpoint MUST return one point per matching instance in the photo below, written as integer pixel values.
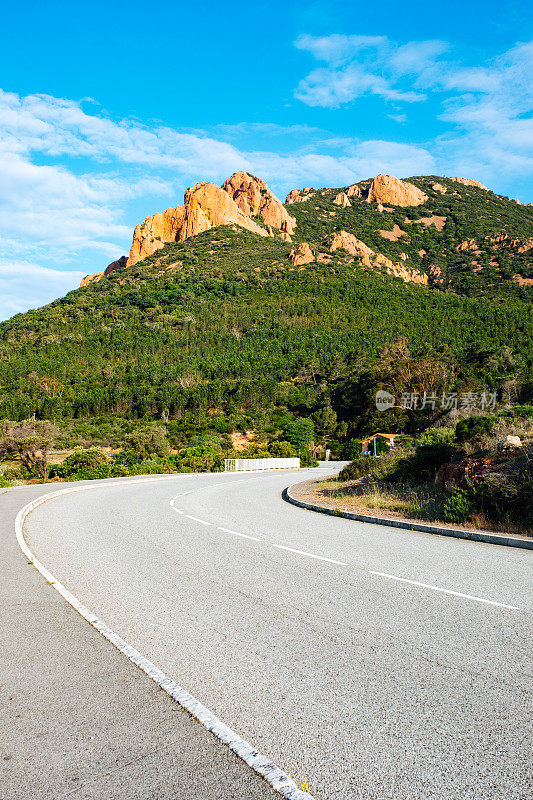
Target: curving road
(370, 662)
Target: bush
(148, 440)
(282, 450)
(376, 468)
(307, 459)
(83, 465)
(458, 508)
(473, 428)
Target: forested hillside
(227, 331)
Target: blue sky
(108, 111)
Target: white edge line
(197, 519)
(446, 591)
(177, 510)
(311, 555)
(275, 777)
(236, 533)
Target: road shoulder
(77, 717)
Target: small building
(368, 445)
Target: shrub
(83, 465)
(473, 428)
(282, 450)
(377, 468)
(148, 440)
(458, 508)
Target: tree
(300, 432)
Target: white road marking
(197, 519)
(177, 510)
(311, 555)
(236, 533)
(445, 591)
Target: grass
(423, 502)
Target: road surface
(370, 662)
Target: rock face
(207, 205)
(388, 189)
(120, 263)
(368, 258)
(255, 199)
(91, 279)
(470, 182)
(354, 191)
(297, 196)
(302, 255)
(342, 200)
(155, 232)
(438, 187)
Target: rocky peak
(387, 189)
(297, 196)
(97, 276)
(470, 182)
(255, 199)
(206, 205)
(342, 200)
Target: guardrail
(253, 464)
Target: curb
(263, 766)
(456, 533)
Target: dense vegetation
(471, 471)
(222, 334)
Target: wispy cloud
(363, 65)
(26, 285)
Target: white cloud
(363, 65)
(25, 285)
(338, 48)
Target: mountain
(235, 311)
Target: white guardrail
(248, 464)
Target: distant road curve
(367, 661)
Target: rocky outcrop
(388, 189)
(155, 232)
(255, 199)
(369, 258)
(354, 191)
(91, 279)
(342, 200)
(510, 443)
(469, 182)
(120, 263)
(297, 196)
(207, 205)
(499, 241)
(301, 255)
(438, 187)
(468, 244)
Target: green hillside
(222, 333)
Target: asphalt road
(77, 719)
(370, 662)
